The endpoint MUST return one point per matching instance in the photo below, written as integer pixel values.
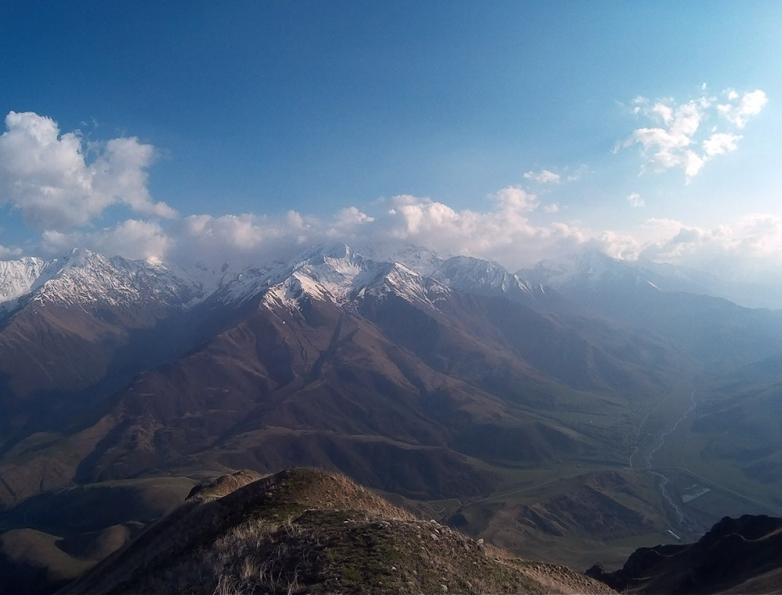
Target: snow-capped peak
(586, 267)
(85, 277)
(420, 260)
(17, 277)
(481, 276)
(591, 270)
(330, 272)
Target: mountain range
(496, 402)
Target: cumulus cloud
(635, 200)
(44, 174)
(719, 143)
(135, 239)
(677, 141)
(513, 199)
(618, 245)
(502, 232)
(505, 232)
(543, 176)
(738, 109)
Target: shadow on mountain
(736, 556)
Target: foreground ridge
(309, 531)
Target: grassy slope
(306, 531)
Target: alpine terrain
(569, 413)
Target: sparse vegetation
(308, 531)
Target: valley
(568, 424)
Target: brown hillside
(309, 531)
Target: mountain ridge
(449, 381)
(308, 531)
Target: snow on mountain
(406, 283)
(337, 269)
(591, 269)
(17, 278)
(325, 272)
(585, 267)
(335, 273)
(84, 277)
(417, 259)
(482, 276)
(207, 278)
(338, 274)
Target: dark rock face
(735, 552)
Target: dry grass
(307, 531)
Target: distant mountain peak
(474, 275)
(85, 277)
(587, 269)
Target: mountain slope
(66, 320)
(402, 382)
(458, 386)
(717, 332)
(735, 556)
(306, 531)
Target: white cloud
(543, 176)
(577, 174)
(135, 239)
(675, 141)
(7, 253)
(664, 111)
(743, 250)
(44, 174)
(750, 104)
(503, 232)
(352, 216)
(514, 199)
(617, 245)
(720, 143)
(635, 200)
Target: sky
(514, 131)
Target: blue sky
(247, 128)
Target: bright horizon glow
(509, 131)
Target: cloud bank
(502, 232)
(48, 177)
